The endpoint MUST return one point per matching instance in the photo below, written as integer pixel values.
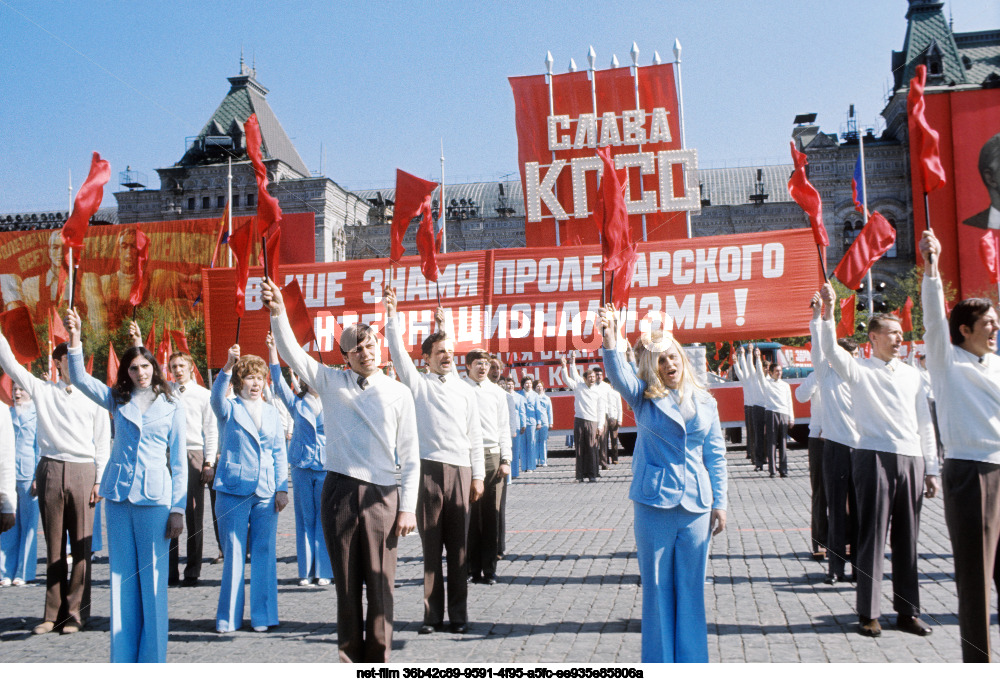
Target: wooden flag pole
(239, 321)
(822, 263)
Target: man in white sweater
(779, 415)
(452, 467)
(894, 463)
(590, 416)
(965, 375)
(74, 444)
(754, 411)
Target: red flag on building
(923, 138)
(989, 252)
(20, 333)
(413, 198)
(242, 243)
(618, 253)
(876, 237)
(142, 245)
(845, 328)
(113, 365)
(298, 314)
(807, 197)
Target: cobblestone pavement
(568, 590)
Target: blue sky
(379, 84)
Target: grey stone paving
(568, 590)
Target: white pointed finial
(635, 54)
(548, 62)
(677, 49)
(656, 57)
(572, 65)
(591, 57)
(614, 61)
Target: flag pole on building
(552, 112)
(444, 234)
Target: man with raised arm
(370, 425)
(590, 416)
(451, 467)
(965, 375)
(74, 444)
(894, 463)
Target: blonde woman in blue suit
(678, 488)
(251, 485)
(145, 485)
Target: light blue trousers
(310, 546)
(516, 447)
(672, 546)
(138, 552)
(542, 446)
(528, 463)
(19, 545)
(241, 516)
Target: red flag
(905, 315)
(807, 197)
(618, 253)
(150, 343)
(242, 242)
(427, 244)
(989, 252)
(268, 210)
(298, 314)
(223, 234)
(7, 390)
(876, 237)
(272, 242)
(20, 333)
(87, 201)
(413, 197)
(923, 138)
(113, 364)
(180, 342)
(142, 245)
(163, 354)
(57, 329)
(845, 327)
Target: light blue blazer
(308, 443)
(530, 407)
(675, 463)
(545, 407)
(148, 463)
(26, 449)
(243, 449)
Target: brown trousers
(64, 490)
(587, 448)
(484, 521)
(443, 522)
(972, 512)
(359, 520)
(194, 516)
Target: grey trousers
(818, 523)
(841, 505)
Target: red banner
(637, 117)
(532, 299)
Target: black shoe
(913, 625)
(869, 627)
(459, 628)
(475, 579)
(189, 581)
(429, 629)
(784, 475)
(173, 582)
(489, 580)
(830, 580)
(772, 475)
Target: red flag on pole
(113, 365)
(57, 329)
(845, 327)
(142, 246)
(180, 342)
(18, 330)
(906, 315)
(150, 343)
(876, 237)
(413, 197)
(923, 138)
(806, 196)
(223, 236)
(272, 243)
(86, 203)
(989, 252)
(298, 314)
(268, 210)
(618, 253)
(242, 242)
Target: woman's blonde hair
(647, 354)
(244, 367)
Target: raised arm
(840, 360)
(936, 334)
(622, 377)
(401, 361)
(220, 406)
(281, 387)
(88, 385)
(12, 368)
(284, 338)
(569, 377)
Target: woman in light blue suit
(251, 485)
(19, 545)
(305, 456)
(145, 484)
(678, 488)
(545, 415)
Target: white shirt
(71, 426)
(368, 429)
(612, 401)
(202, 428)
(967, 388)
(836, 406)
(751, 391)
(889, 400)
(447, 413)
(806, 392)
(494, 416)
(589, 400)
(8, 468)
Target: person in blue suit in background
(531, 420)
(305, 456)
(145, 484)
(547, 422)
(251, 484)
(678, 488)
(19, 545)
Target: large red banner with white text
(746, 286)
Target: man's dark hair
(476, 354)
(428, 345)
(966, 312)
(59, 351)
(880, 321)
(353, 336)
(850, 345)
(527, 377)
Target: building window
(250, 199)
(220, 202)
(236, 201)
(891, 253)
(190, 203)
(206, 202)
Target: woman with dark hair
(678, 488)
(145, 484)
(251, 485)
(305, 456)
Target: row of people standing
(767, 410)
(597, 412)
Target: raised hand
(271, 296)
(134, 334)
(389, 299)
(234, 356)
